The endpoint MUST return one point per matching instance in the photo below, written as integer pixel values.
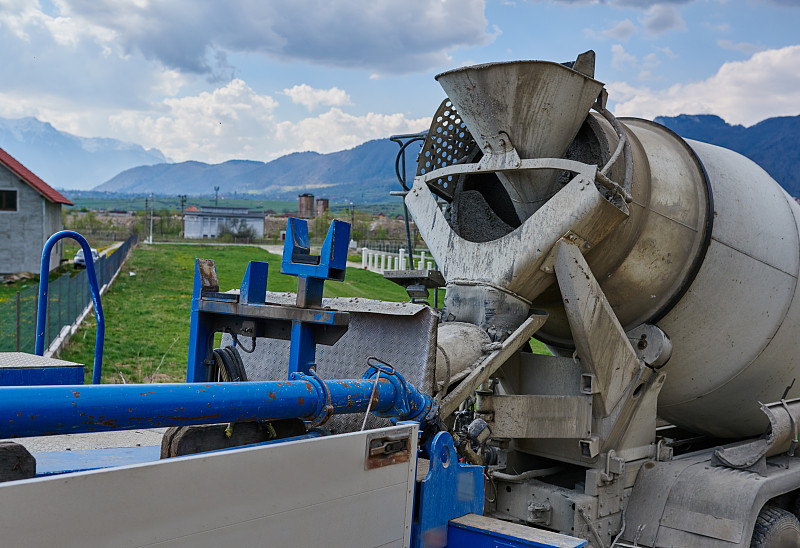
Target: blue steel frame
(450, 490)
(209, 306)
(41, 315)
(311, 271)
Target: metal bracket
(385, 450)
(247, 313)
(313, 270)
(540, 513)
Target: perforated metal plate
(449, 142)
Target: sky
(213, 80)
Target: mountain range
(64, 160)
(772, 144)
(363, 174)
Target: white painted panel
(305, 493)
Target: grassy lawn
(147, 314)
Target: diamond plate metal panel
(401, 334)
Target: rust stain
(272, 395)
(146, 393)
(76, 394)
(130, 409)
(300, 400)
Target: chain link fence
(68, 296)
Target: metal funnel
(538, 106)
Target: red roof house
(30, 212)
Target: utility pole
(216, 196)
(151, 218)
(145, 214)
(183, 218)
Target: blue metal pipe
(45, 410)
(41, 315)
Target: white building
(207, 221)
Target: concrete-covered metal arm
(46, 410)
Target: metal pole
(70, 317)
(18, 321)
(46, 313)
(151, 219)
(42, 301)
(49, 410)
(36, 317)
(60, 296)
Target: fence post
(48, 317)
(17, 321)
(35, 308)
(60, 295)
(70, 317)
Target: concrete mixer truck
(667, 272)
(660, 272)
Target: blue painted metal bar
(41, 317)
(450, 490)
(200, 331)
(312, 271)
(254, 283)
(45, 410)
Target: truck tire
(775, 528)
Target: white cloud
(743, 47)
(662, 18)
(649, 63)
(383, 37)
(621, 59)
(230, 122)
(234, 121)
(311, 98)
(742, 92)
(337, 130)
(622, 30)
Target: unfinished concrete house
(30, 212)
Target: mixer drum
(708, 252)
(730, 233)
(735, 330)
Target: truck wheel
(775, 528)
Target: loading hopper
(536, 106)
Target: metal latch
(383, 450)
(539, 512)
(386, 447)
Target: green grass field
(147, 308)
(147, 314)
